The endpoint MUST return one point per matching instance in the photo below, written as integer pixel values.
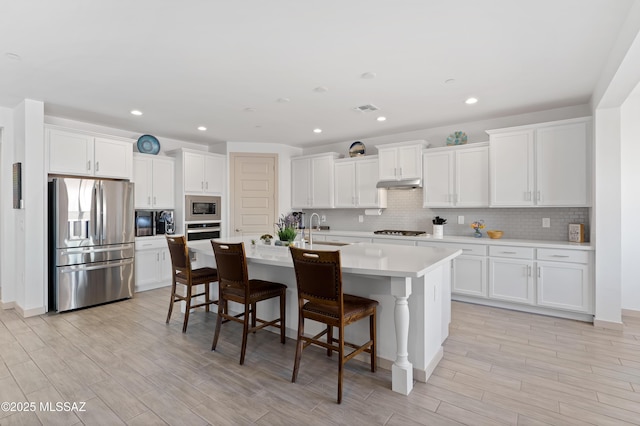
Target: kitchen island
(412, 285)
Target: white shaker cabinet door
(438, 186)
(388, 163)
(564, 286)
(300, 182)
(322, 182)
(470, 276)
(163, 184)
(345, 184)
(512, 171)
(562, 166)
(472, 177)
(70, 153)
(143, 180)
(410, 162)
(214, 167)
(113, 158)
(511, 280)
(366, 193)
(146, 268)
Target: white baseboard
(609, 325)
(151, 286)
(33, 312)
(7, 305)
(630, 313)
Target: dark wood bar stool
(320, 298)
(236, 286)
(183, 274)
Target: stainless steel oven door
(202, 207)
(202, 231)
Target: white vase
(438, 231)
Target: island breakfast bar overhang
(412, 285)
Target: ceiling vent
(366, 108)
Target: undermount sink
(330, 243)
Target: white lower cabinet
(470, 276)
(152, 263)
(511, 280)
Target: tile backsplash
(405, 212)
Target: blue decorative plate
(357, 149)
(457, 138)
(148, 144)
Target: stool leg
(341, 362)
(329, 340)
(221, 302)
(372, 334)
(245, 331)
(283, 317)
(207, 300)
(253, 316)
(296, 363)
(173, 300)
(187, 309)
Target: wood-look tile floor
(499, 367)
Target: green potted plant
(287, 229)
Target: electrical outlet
(323, 218)
(460, 220)
(360, 218)
(546, 222)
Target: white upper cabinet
(203, 172)
(541, 165)
(456, 176)
(154, 178)
(312, 181)
(78, 153)
(399, 161)
(355, 183)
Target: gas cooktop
(401, 233)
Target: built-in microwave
(202, 207)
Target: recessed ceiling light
(249, 109)
(136, 112)
(12, 56)
(368, 75)
(450, 80)
(202, 128)
(471, 101)
(321, 89)
(284, 100)
(381, 118)
(317, 130)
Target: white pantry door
(254, 193)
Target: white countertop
(464, 240)
(358, 258)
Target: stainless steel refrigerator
(91, 242)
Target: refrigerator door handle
(94, 266)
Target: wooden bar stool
(320, 298)
(236, 286)
(183, 274)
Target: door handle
(238, 230)
(155, 201)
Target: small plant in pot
(287, 229)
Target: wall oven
(202, 207)
(202, 231)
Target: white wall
(7, 214)
(630, 199)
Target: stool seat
(199, 274)
(354, 307)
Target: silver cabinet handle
(154, 200)
(201, 184)
(158, 257)
(89, 165)
(164, 256)
(559, 255)
(395, 171)
(97, 166)
(529, 270)
(539, 271)
(206, 185)
(464, 249)
(400, 171)
(149, 200)
(509, 252)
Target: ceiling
(255, 70)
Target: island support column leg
(402, 369)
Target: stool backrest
(318, 276)
(231, 263)
(179, 252)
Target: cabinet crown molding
(397, 144)
(539, 125)
(89, 133)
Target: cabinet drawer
(150, 243)
(467, 249)
(559, 255)
(511, 251)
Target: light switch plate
(460, 220)
(546, 222)
(361, 218)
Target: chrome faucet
(311, 227)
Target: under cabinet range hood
(400, 184)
